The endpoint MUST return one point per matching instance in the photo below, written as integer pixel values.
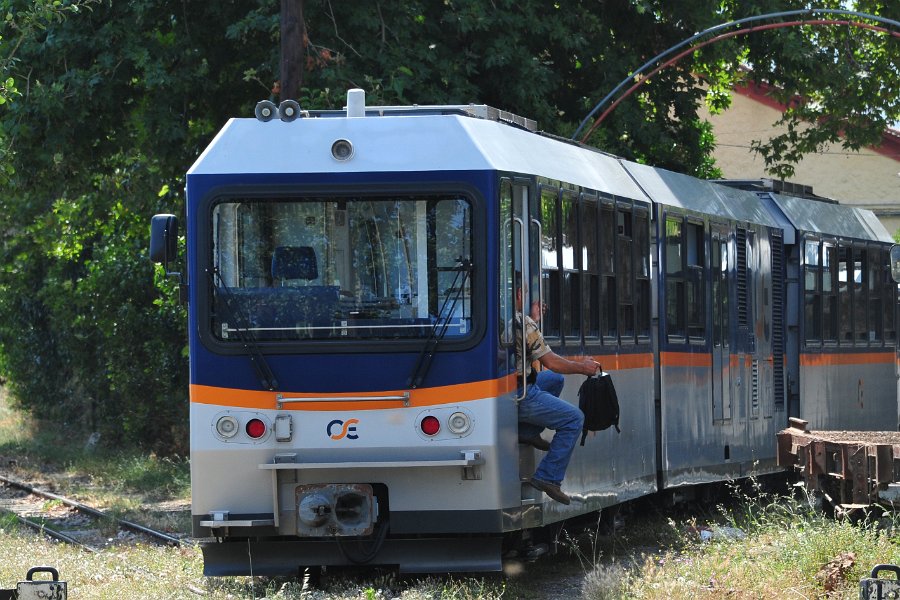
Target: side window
(550, 260)
(812, 291)
(845, 274)
(571, 262)
(719, 272)
(608, 325)
(829, 293)
(695, 252)
(675, 292)
(875, 314)
(625, 248)
(590, 266)
(642, 272)
(595, 267)
(860, 275)
(686, 264)
(889, 301)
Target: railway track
(71, 521)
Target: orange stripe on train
(863, 358)
(448, 394)
(685, 359)
(464, 392)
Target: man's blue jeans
(543, 409)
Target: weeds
(605, 582)
(761, 545)
(590, 538)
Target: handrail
(280, 400)
(540, 229)
(523, 344)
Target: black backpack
(599, 402)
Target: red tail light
(256, 428)
(430, 425)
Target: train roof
(435, 139)
(832, 219)
(407, 143)
(690, 193)
(480, 138)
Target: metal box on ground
(43, 589)
(874, 588)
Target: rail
(83, 508)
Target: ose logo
(347, 429)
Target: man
(542, 408)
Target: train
(351, 276)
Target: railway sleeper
(853, 469)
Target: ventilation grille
(754, 387)
(742, 291)
(778, 277)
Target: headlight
(227, 426)
(459, 423)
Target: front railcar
(346, 403)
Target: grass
(125, 482)
(39, 449)
(757, 544)
(152, 572)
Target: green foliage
(116, 106)
(547, 64)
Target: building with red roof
(869, 178)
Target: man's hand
(590, 366)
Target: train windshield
(341, 268)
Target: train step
(530, 496)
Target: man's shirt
(535, 346)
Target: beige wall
(866, 178)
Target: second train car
(353, 384)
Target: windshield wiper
(235, 315)
(463, 269)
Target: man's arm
(583, 365)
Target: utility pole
(291, 48)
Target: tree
(115, 102)
(292, 42)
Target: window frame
(202, 246)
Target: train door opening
(515, 263)
(721, 347)
(520, 263)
